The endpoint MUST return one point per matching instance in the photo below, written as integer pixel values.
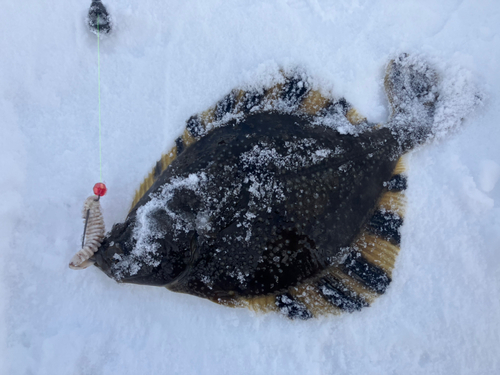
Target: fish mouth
(112, 248)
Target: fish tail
(412, 91)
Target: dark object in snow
(278, 199)
(98, 18)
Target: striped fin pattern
(292, 94)
(362, 277)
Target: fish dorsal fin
(292, 93)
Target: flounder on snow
(278, 199)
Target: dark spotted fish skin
(322, 207)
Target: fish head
(146, 249)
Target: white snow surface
(167, 60)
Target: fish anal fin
(309, 295)
(168, 158)
(314, 103)
(354, 117)
(400, 166)
(377, 251)
(161, 165)
(263, 304)
(207, 118)
(187, 138)
(394, 201)
(271, 96)
(318, 301)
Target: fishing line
(93, 231)
(99, 188)
(87, 215)
(99, 95)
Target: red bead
(100, 189)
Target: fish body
(278, 199)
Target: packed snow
(164, 62)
